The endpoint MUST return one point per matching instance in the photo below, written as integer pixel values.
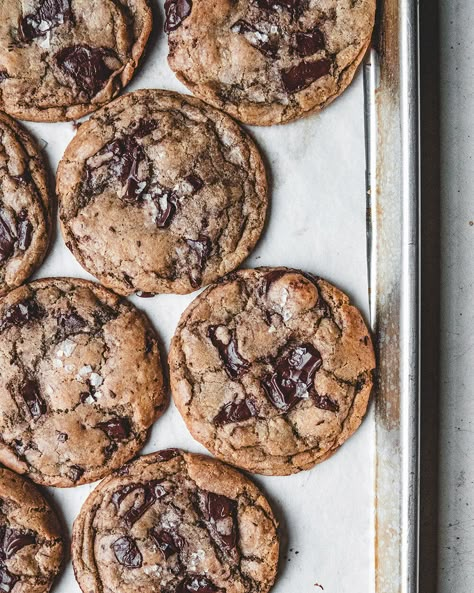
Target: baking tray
(343, 194)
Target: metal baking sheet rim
(392, 142)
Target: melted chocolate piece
(3, 76)
(7, 580)
(21, 313)
(167, 541)
(324, 402)
(49, 14)
(202, 248)
(127, 156)
(166, 203)
(145, 496)
(197, 584)
(236, 412)
(7, 238)
(293, 377)
(167, 454)
(309, 42)
(144, 127)
(220, 515)
(75, 473)
(256, 38)
(127, 553)
(71, 322)
(24, 231)
(13, 540)
(303, 74)
(234, 364)
(145, 295)
(117, 429)
(176, 11)
(195, 182)
(291, 5)
(30, 393)
(269, 278)
(86, 66)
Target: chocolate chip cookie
(25, 221)
(173, 522)
(61, 59)
(271, 369)
(81, 381)
(161, 193)
(268, 61)
(31, 546)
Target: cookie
(174, 522)
(31, 544)
(161, 193)
(81, 381)
(62, 59)
(268, 61)
(25, 205)
(271, 369)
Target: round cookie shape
(25, 205)
(160, 193)
(175, 522)
(268, 61)
(62, 59)
(81, 381)
(271, 369)
(31, 543)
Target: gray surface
(456, 520)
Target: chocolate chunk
(144, 127)
(201, 247)
(144, 496)
(197, 584)
(290, 5)
(145, 295)
(21, 313)
(48, 15)
(309, 42)
(269, 278)
(75, 473)
(234, 364)
(8, 580)
(293, 377)
(127, 553)
(24, 178)
(258, 39)
(220, 512)
(118, 429)
(236, 412)
(167, 454)
(3, 75)
(30, 393)
(7, 237)
(62, 437)
(166, 203)
(13, 540)
(324, 402)
(24, 231)
(71, 322)
(167, 541)
(302, 75)
(195, 182)
(127, 156)
(86, 66)
(176, 11)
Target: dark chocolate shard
(143, 127)
(21, 313)
(167, 454)
(258, 39)
(290, 5)
(269, 278)
(3, 75)
(48, 15)
(31, 396)
(293, 378)
(168, 541)
(24, 231)
(309, 42)
(195, 182)
(71, 322)
(201, 248)
(117, 429)
(324, 402)
(303, 74)
(75, 473)
(197, 584)
(144, 496)
(234, 364)
(176, 11)
(86, 66)
(12, 541)
(220, 514)
(236, 412)
(7, 237)
(166, 203)
(145, 295)
(127, 553)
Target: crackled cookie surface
(268, 61)
(81, 381)
(161, 193)
(271, 369)
(174, 522)
(24, 205)
(31, 545)
(61, 59)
